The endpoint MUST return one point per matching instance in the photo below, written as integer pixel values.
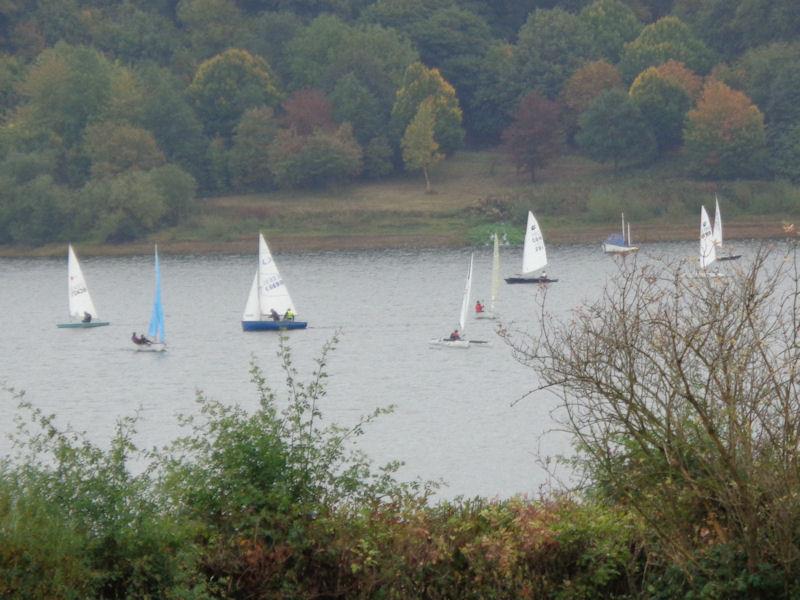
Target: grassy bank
(576, 201)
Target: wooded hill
(117, 115)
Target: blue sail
(156, 329)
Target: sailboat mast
(623, 229)
(629, 234)
(495, 272)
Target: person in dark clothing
(140, 340)
(274, 314)
(87, 318)
(455, 336)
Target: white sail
(534, 255)
(80, 301)
(717, 224)
(462, 319)
(708, 252)
(268, 291)
(495, 274)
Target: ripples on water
(455, 416)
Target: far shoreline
(752, 228)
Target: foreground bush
(272, 504)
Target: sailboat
(269, 306)
(81, 307)
(534, 255)
(708, 250)
(618, 244)
(460, 341)
(490, 314)
(156, 340)
(718, 233)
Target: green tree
(115, 148)
(249, 154)
(535, 136)
(131, 34)
(121, 208)
(34, 212)
(613, 130)
(497, 92)
(315, 160)
(420, 149)
(212, 26)
(227, 85)
(668, 38)
(551, 46)
(65, 89)
(166, 112)
(354, 103)
(663, 105)
(177, 188)
(420, 84)
(610, 24)
(725, 136)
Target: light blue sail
(156, 329)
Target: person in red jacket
(478, 306)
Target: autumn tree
(227, 85)
(420, 85)
(535, 136)
(581, 89)
(613, 130)
(676, 73)
(420, 149)
(724, 135)
(663, 105)
(668, 38)
(307, 110)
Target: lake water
(456, 416)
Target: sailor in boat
(288, 315)
(543, 276)
(455, 336)
(274, 314)
(87, 318)
(478, 307)
(140, 340)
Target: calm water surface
(456, 418)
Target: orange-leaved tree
(724, 135)
(581, 89)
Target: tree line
(117, 115)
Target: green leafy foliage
(667, 39)
(249, 154)
(552, 44)
(315, 160)
(663, 105)
(613, 130)
(227, 85)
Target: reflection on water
(455, 418)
